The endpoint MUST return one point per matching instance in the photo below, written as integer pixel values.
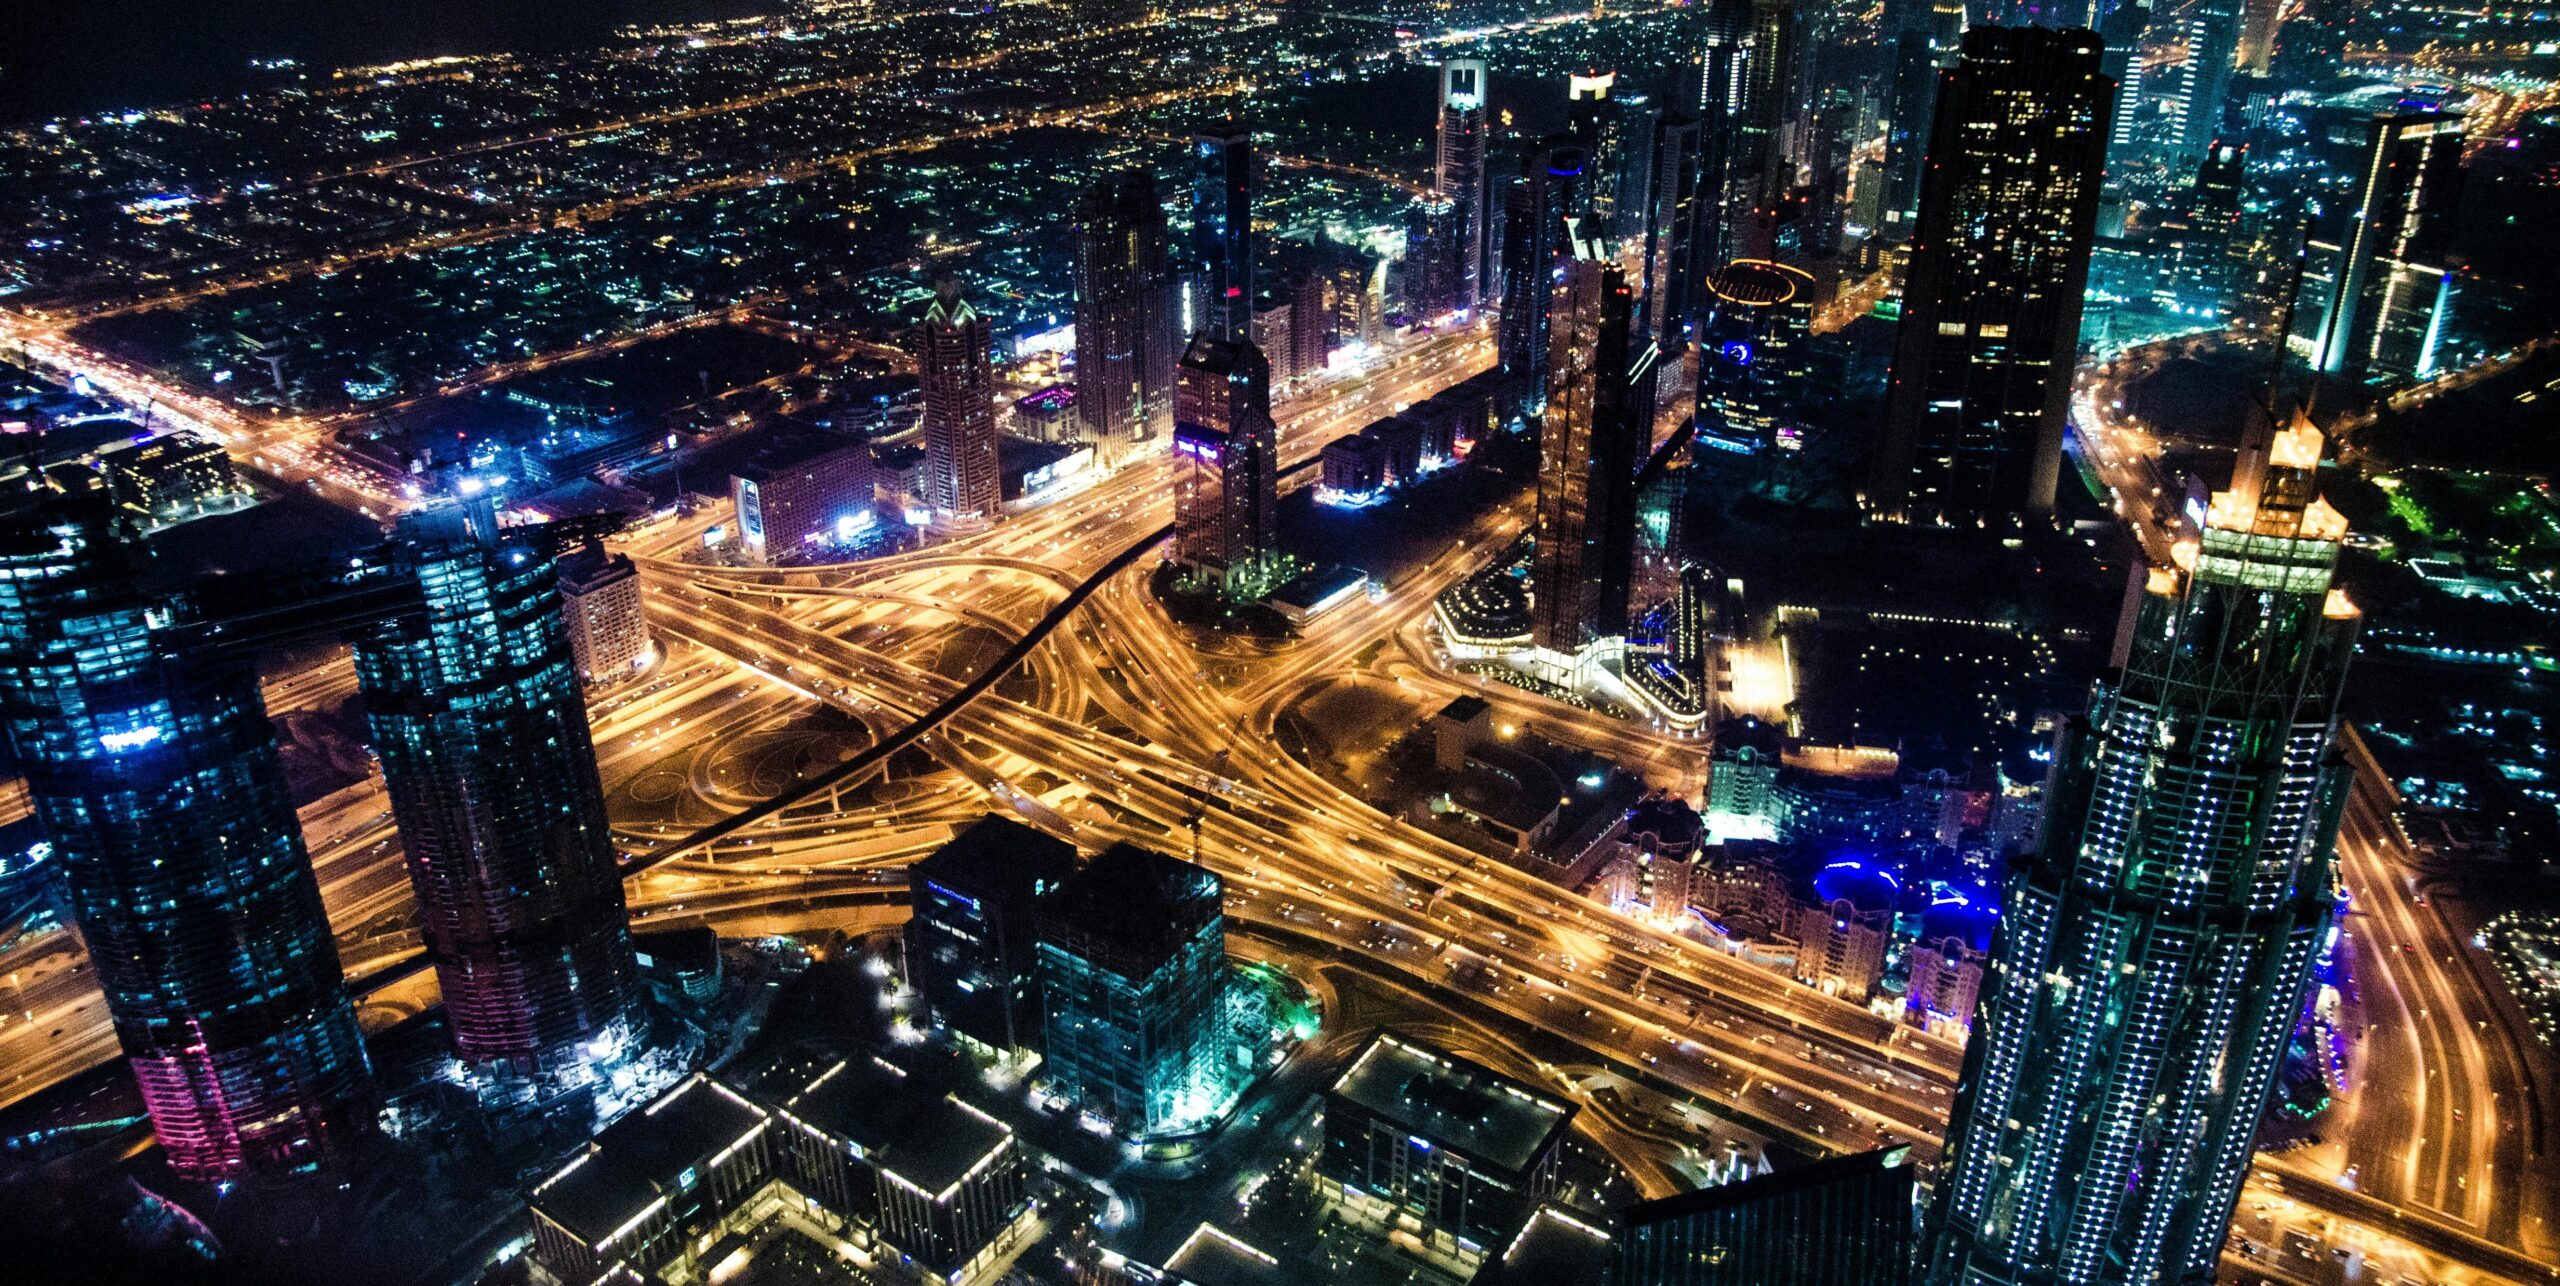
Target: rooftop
(1131, 908)
(645, 1155)
(997, 854)
(1752, 1191)
(1454, 1103)
(926, 1140)
(1211, 1256)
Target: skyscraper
(1754, 362)
(491, 769)
(1669, 303)
(1594, 119)
(2154, 956)
(956, 364)
(1991, 309)
(1133, 967)
(152, 768)
(2385, 273)
(608, 624)
(1551, 195)
(1925, 34)
(1590, 446)
(1458, 176)
(2195, 100)
(1222, 233)
(971, 944)
(1125, 338)
(1226, 495)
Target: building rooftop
(1554, 1248)
(1767, 1186)
(1212, 1256)
(635, 1160)
(1453, 1103)
(1131, 908)
(997, 853)
(1464, 709)
(927, 1140)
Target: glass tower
(1125, 342)
(483, 737)
(1133, 967)
(152, 768)
(1590, 447)
(1222, 232)
(957, 369)
(2158, 948)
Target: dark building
(1222, 233)
(1925, 34)
(973, 942)
(152, 769)
(1355, 466)
(1226, 448)
(1553, 188)
(2385, 273)
(1133, 972)
(1590, 448)
(2155, 953)
(1668, 304)
(1846, 1221)
(650, 1190)
(1459, 178)
(1755, 369)
(1126, 343)
(956, 366)
(1991, 308)
(474, 710)
(1427, 1143)
(934, 1177)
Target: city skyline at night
(1065, 644)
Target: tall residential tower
(1126, 343)
(957, 366)
(1590, 447)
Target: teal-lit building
(1133, 971)
(474, 709)
(2156, 953)
(152, 769)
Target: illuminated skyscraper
(608, 623)
(1590, 447)
(957, 367)
(491, 769)
(971, 946)
(1126, 343)
(1754, 356)
(1133, 966)
(1221, 287)
(1925, 34)
(1226, 492)
(1991, 308)
(2379, 290)
(1668, 305)
(1842, 1221)
(152, 768)
(2153, 958)
(1459, 176)
(1597, 122)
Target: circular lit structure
(1752, 358)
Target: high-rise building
(152, 769)
(1226, 446)
(1925, 37)
(1433, 248)
(474, 711)
(1597, 123)
(1846, 1221)
(1668, 306)
(1133, 969)
(2154, 955)
(608, 624)
(1126, 343)
(1755, 374)
(2379, 290)
(1459, 177)
(2194, 102)
(1549, 199)
(972, 942)
(1991, 308)
(1221, 288)
(2196, 238)
(1590, 446)
(956, 364)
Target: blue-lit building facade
(1133, 972)
(2155, 955)
(474, 710)
(972, 945)
(152, 768)
(1754, 360)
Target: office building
(1590, 446)
(1133, 971)
(1540, 209)
(1668, 302)
(1845, 1221)
(2198, 237)
(1355, 468)
(1925, 35)
(2156, 951)
(955, 363)
(802, 495)
(1126, 343)
(973, 940)
(936, 1179)
(1221, 271)
(1982, 360)
(1433, 247)
(2378, 294)
(474, 711)
(152, 770)
(608, 624)
(1459, 178)
(1428, 1144)
(650, 1192)
(1755, 370)
(1596, 121)
(1226, 448)
(2195, 98)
